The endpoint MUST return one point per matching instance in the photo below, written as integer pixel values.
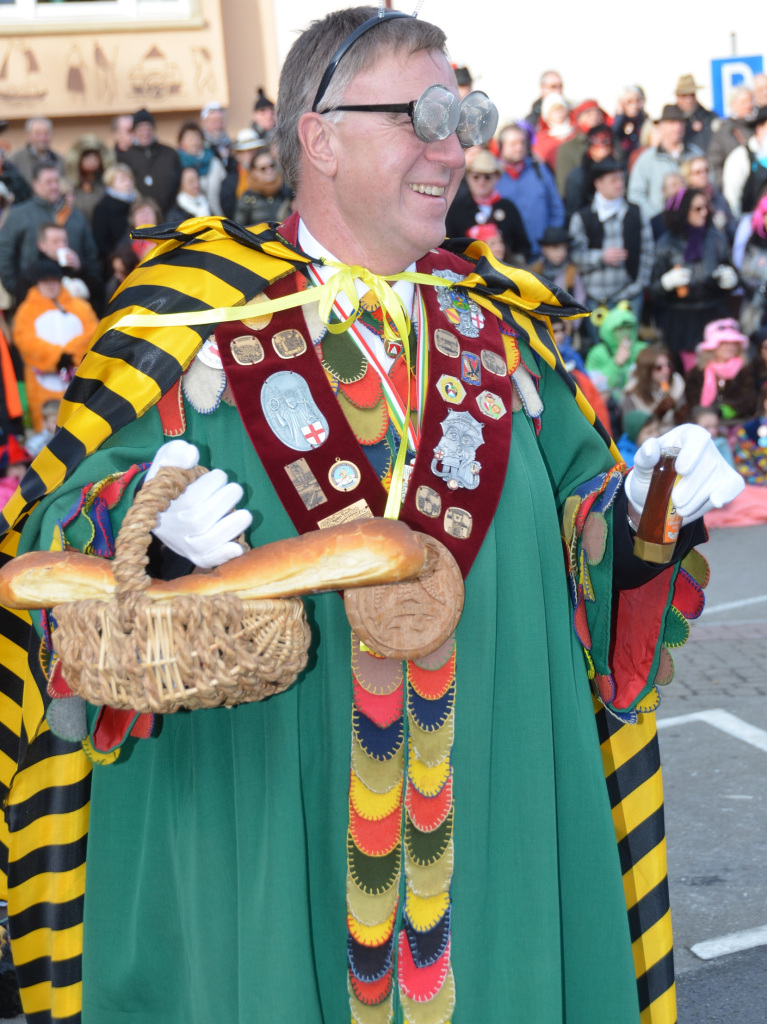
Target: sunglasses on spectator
(482, 174)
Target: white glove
(199, 524)
(707, 481)
(725, 276)
(677, 277)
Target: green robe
(217, 850)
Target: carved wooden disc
(414, 618)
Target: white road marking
(733, 604)
(732, 943)
(723, 720)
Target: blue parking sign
(727, 75)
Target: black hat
(761, 116)
(45, 269)
(671, 112)
(555, 236)
(463, 76)
(262, 103)
(606, 166)
(142, 116)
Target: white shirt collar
(309, 244)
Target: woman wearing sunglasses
(692, 273)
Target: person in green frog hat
(617, 349)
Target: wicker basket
(190, 652)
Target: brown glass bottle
(660, 522)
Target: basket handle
(135, 535)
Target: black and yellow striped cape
(209, 263)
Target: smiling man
(414, 830)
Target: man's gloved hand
(725, 276)
(707, 481)
(677, 277)
(199, 524)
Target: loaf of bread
(357, 554)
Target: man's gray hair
(310, 55)
(37, 120)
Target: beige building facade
(82, 62)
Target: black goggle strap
(346, 45)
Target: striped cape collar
(207, 263)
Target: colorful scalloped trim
(584, 537)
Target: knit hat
(584, 107)
(45, 269)
(718, 331)
(13, 454)
(209, 108)
(483, 232)
(262, 103)
(554, 99)
(142, 116)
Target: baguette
(357, 554)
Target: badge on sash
(428, 502)
(491, 405)
(306, 483)
(344, 475)
(451, 389)
(247, 350)
(447, 343)
(471, 368)
(455, 459)
(462, 312)
(494, 363)
(291, 412)
(289, 344)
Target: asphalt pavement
(713, 739)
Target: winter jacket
(534, 193)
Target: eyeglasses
(437, 113)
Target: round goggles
(437, 113)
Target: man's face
(39, 136)
(686, 102)
(264, 119)
(555, 254)
(47, 185)
(123, 133)
(144, 133)
(671, 133)
(742, 105)
(53, 240)
(514, 146)
(611, 186)
(215, 122)
(392, 191)
(551, 83)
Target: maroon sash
(459, 516)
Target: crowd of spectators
(657, 225)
